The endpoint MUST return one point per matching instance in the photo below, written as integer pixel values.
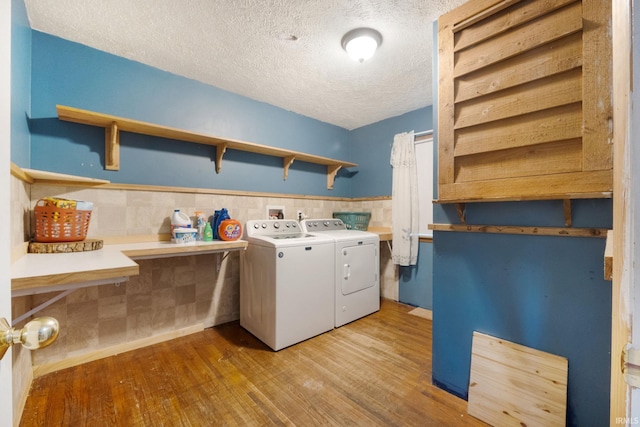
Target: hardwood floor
(375, 371)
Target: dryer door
(358, 266)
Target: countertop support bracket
(220, 259)
(44, 305)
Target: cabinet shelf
(114, 124)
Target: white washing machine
(286, 283)
(357, 272)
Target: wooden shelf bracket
(220, 150)
(332, 171)
(287, 161)
(566, 203)
(461, 208)
(112, 147)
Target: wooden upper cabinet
(524, 98)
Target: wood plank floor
(375, 371)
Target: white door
(6, 401)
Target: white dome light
(361, 43)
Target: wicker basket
(354, 220)
(54, 224)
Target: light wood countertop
(384, 232)
(37, 273)
(386, 235)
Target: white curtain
(404, 204)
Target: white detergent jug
(179, 220)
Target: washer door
(358, 264)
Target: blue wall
(544, 292)
(416, 282)
(71, 74)
(371, 147)
(20, 84)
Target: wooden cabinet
(525, 100)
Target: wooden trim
(19, 251)
(61, 178)
(35, 282)
(563, 89)
(446, 97)
(40, 370)
(32, 176)
(19, 173)
(597, 107)
(369, 199)
(541, 187)
(608, 256)
(161, 188)
(504, 45)
(159, 251)
(140, 238)
(560, 123)
(20, 405)
(484, 14)
(501, 22)
(514, 229)
(600, 195)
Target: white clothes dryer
(286, 283)
(357, 272)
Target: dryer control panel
(328, 224)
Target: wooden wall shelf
(515, 229)
(114, 124)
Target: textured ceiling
(285, 53)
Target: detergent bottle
(218, 217)
(208, 233)
(179, 220)
(230, 229)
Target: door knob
(38, 333)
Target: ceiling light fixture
(361, 43)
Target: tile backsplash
(138, 212)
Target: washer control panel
(272, 227)
(328, 224)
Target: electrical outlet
(300, 215)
